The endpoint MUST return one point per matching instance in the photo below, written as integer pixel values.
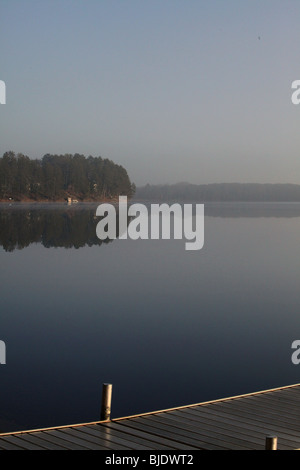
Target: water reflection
(59, 225)
(166, 326)
(52, 226)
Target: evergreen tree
(56, 177)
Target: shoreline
(55, 201)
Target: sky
(194, 91)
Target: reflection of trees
(59, 225)
(53, 226)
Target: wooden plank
(240, 426)
(261, 413)
(246, 415)
(90, 441)
(267, 405)
(138, 444)
(111, 436)
(106, 444)
(6, 444)
(96, 431)
(216, 419)
(180, 435)
(22, 443)
(246, 434)
(132, 423)
(41, 443)
(46, 436)
(284, 399)
(69, 436)
(226, 439)
(283, 402)
(92, 430)
(275, 405)
(257, 426)
(238, 409)
(168, 443)
(68, 441)
(215, 426)
(137, 438)
(266, 423)
(291, 392)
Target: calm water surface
(167, 327)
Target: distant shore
(220, 192)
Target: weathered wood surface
(235, 423)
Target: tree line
(57, 177)
(220, 192)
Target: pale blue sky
(173, 90)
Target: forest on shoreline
(219, 192)
(59, 177)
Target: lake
(166, 326)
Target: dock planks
(234, 423)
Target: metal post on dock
(271, 443)
(106, 401)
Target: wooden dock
(235, 423)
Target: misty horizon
(172, 91)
